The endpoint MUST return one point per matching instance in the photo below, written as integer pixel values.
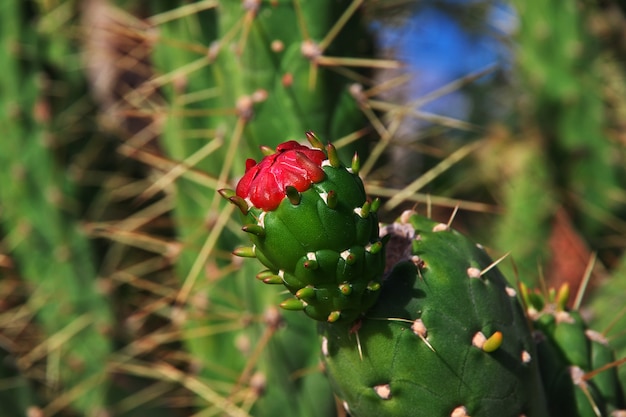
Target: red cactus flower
(264, 184)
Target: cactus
(443, 333)
(563, 69)
(447, 336)
(311, 225)
(247, 69)
(235, 74)
(199, 82)
(603, 303)
(45, 239)
(578, 367)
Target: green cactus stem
(41, 229)
(235, 75)
(447, 336)
(578, 366)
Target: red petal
(243, 187)
(313, 171)
(286, 146)
(266, 193)
(250, 163)
(292, 165)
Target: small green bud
(269, 277)
(306, 293)
(493, 342)
(314, 140)
(231, 196)
(334, 316)
(375, 205)
(245, 252)
(254, 229)
(332, 199)
(333, 157)
(356, 164)
(293, 195)
(562, 297)
(376, 247)
(345, 288)
(267, 151)
(293, 304)
(365, 210)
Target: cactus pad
(578, 367)
(447, 337)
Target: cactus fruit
(447, 337)
(313, 228)
(578, 367)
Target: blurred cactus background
(119, 295)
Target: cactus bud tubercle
(311, 225)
